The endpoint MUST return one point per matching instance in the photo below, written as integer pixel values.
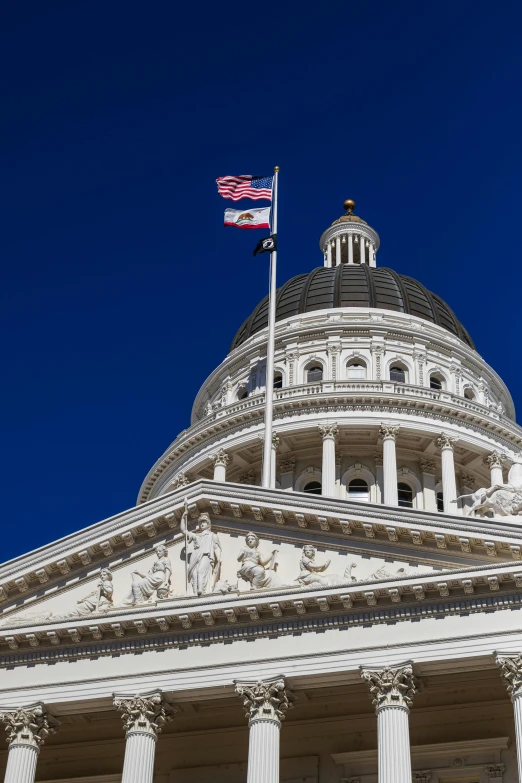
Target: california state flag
(248, 218)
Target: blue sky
(121, 290)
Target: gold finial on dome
(349, 205)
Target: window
(358, 490)
(440, 501)
(313, 488)
(469, 394)
(242, 393)
(405, 494)
(357, 371)
(278, 380)
(398, 374)
(314, 373)
(436, 381)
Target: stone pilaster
(144, 716)
(392, 689)
(286, 470)
(389, 436)
(27, 729)
(329, 433)
(265, 702)
(510, 665)
(446, 444)
(221, 460)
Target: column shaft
(389, 459)
(329, 255)
(220, 472)
(371, 254)
(517, 708)
(138, 766)
(329, 433)
(350, 248)
(337, 251)
(21, 764)
(393, 741)
(263, 752)
(361, 245)
(449, 483)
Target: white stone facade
(357, 621)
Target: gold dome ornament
(349, 205)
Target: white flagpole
(269, 382)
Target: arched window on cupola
(278, 380)
(469, 394)
(313, 488)
(436, 381)
(358, 489)
(314, 373)
(356, 370)
(405, 495)
(242, 393)
(398, 373)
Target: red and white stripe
(236, 188)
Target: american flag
(245, 186)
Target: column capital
(144, 713)
(510, 665)
(391, 686)
(329, 431)
(265, 699)
(287, 464)
(427, 466)
(275, 440)
(180, 480)
(445, 441)
(221, 458)
(388, 431)
(494, 460)
(29, 726)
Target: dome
(353, 285)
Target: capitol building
(356, 621)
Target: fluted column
(265, 702)
(389, 436)
(27, 729)
(392, 689)
(511, 671)
(350, 248)
(446, 444)
(221, 460)
(329, 433)
(428, 485)
(144, 716)
(361, 251)
(337, 250)
(494, 461)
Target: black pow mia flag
(266, 245)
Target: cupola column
(494, 461)
(392, 689)
(221, 460)
(329, 255)
(350, 248)
(27, 729)
(337, 250)
(389, 458)
(329, 433)
(446, 444)
(511, 671)
(265, 702)
(144, 716)
(362, 251)
(371, 255)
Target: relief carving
(312, 573)
(155, 581)
(204, 562)
(500, 500)
(257, 568)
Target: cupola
(349, 240)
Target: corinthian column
(221, 460)
(265, 702)
(389, 459)
(27, 729)
(392, 689)
(329, 433)
(494, 461)
(511, 671)
(144, 716)
(446, 445)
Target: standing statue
(100, 600)
(312, 572)
(256, 568)
(502, 500)
(156, 580)
(204, 564)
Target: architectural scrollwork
(445, 441)
(28, 725)
(329, 431)
(494, 460)
(391, 686)
(145, 713)
(265, 699)
(511, 672)
(221, 458)
(388, 431)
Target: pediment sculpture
(204, 562)
(258, 568)
(155, 582)
(500, 500)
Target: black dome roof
(354, 285)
